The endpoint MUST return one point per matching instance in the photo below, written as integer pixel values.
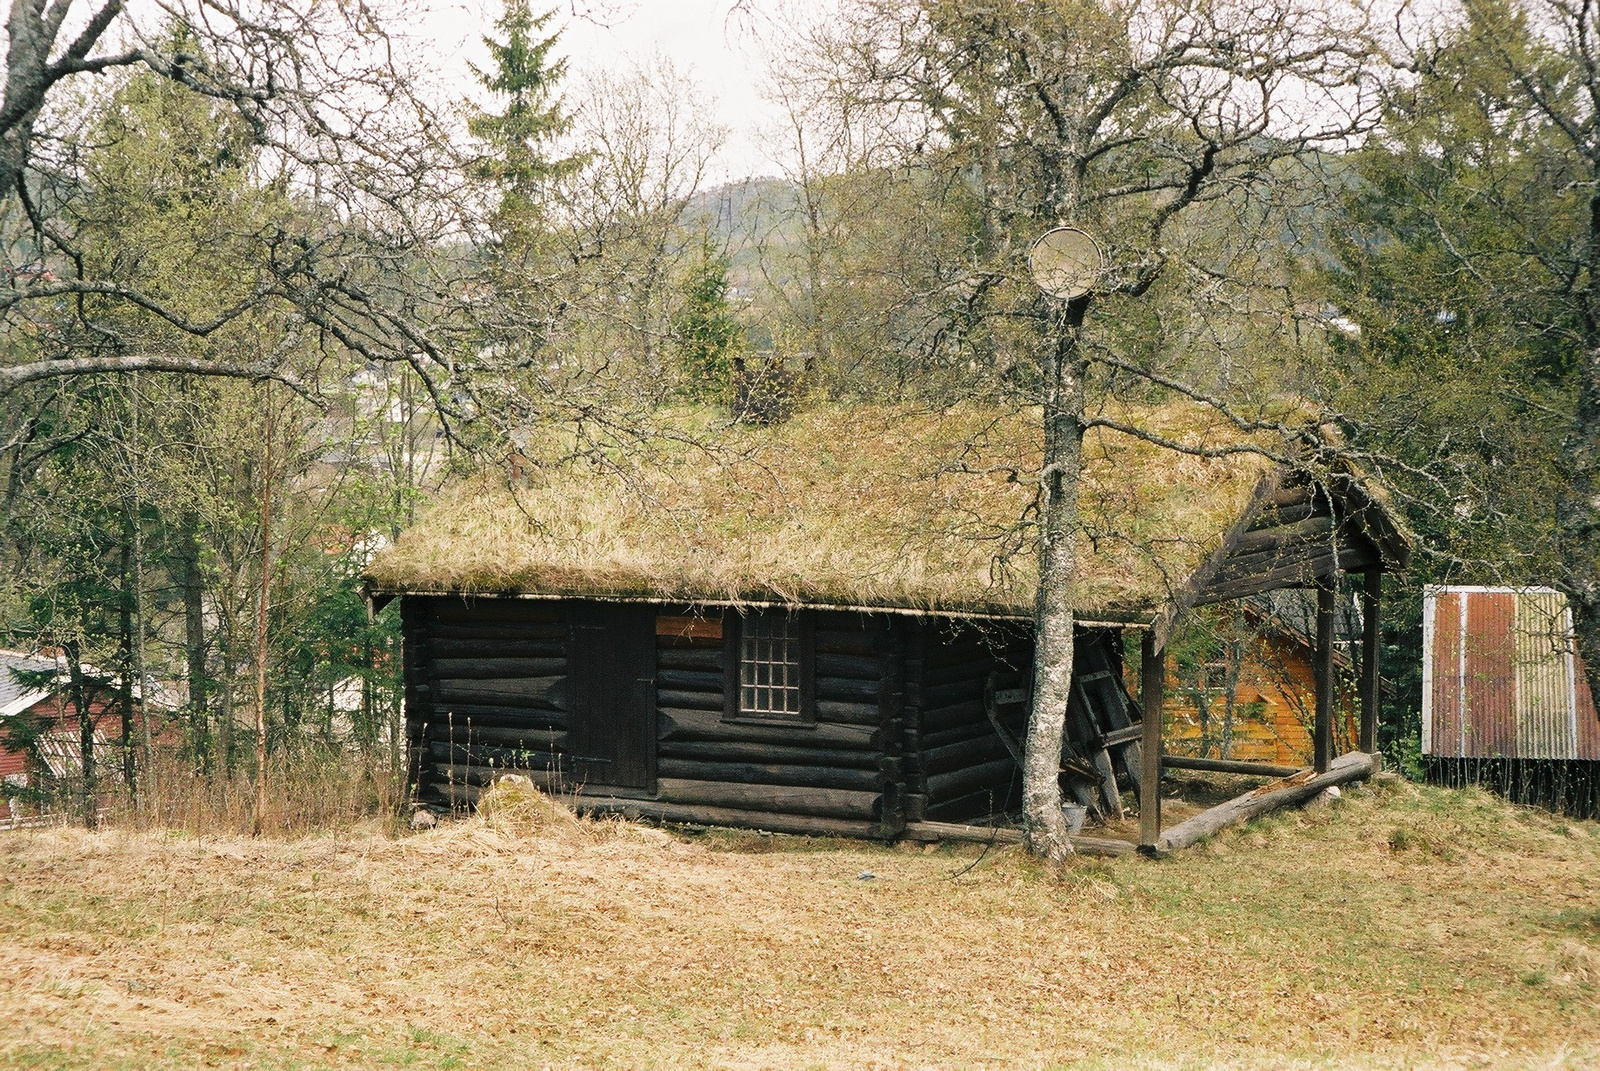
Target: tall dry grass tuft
(307, 791)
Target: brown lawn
(1402, 927)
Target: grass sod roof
(867, 507)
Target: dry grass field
(1402, 927)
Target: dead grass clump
(515, 805)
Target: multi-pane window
(769, 667)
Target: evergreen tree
(705, 333)
(516, 140)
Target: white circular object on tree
(1066, 262)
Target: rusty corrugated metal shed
(1501, 678)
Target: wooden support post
(1322, 736)
(1152, 683)
(1369, 660)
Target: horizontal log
(945, 695)
(677, 723)
(933, 832)
(839, 689)
(1355, 766)
(835, 641)
(475, 610)
(937, 674)
(941, 719)
(850, 667)
(1257, 540)
(771, 774)
(845, 712)
(533, 717)
(1289, 514)
(499, 647)
(497, 667)
(730, 817)
(750, 751)
(508, 758)
(504, 691)
(979, 749)
(1293, 494)
(818, 802)
(530, 739)
(692, 680)
(707, 660)
(955, 734)
(1264, 769)
(678, 698)
(983, 803)
(996, 773)
(483, 776)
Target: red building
(40, 734)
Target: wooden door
(611, 741)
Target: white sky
(707, 39)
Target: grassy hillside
(1403, 927)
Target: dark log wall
(774, 774)
(956, 765)
(486, 693)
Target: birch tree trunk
(1054, 617)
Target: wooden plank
(689, 627)
(1152, 688)
(819, 802)
(1371, 664)
(1261, 769)
(1356, 766)
(678, 723)
(1118, 737)
(1322, 735)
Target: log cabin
(824, 626)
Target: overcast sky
(720, 48)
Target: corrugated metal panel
(1501, 678)
(1588, 722)
(1489, 651)
(1442, 704)
(1545, 716)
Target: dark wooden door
(612, 739)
